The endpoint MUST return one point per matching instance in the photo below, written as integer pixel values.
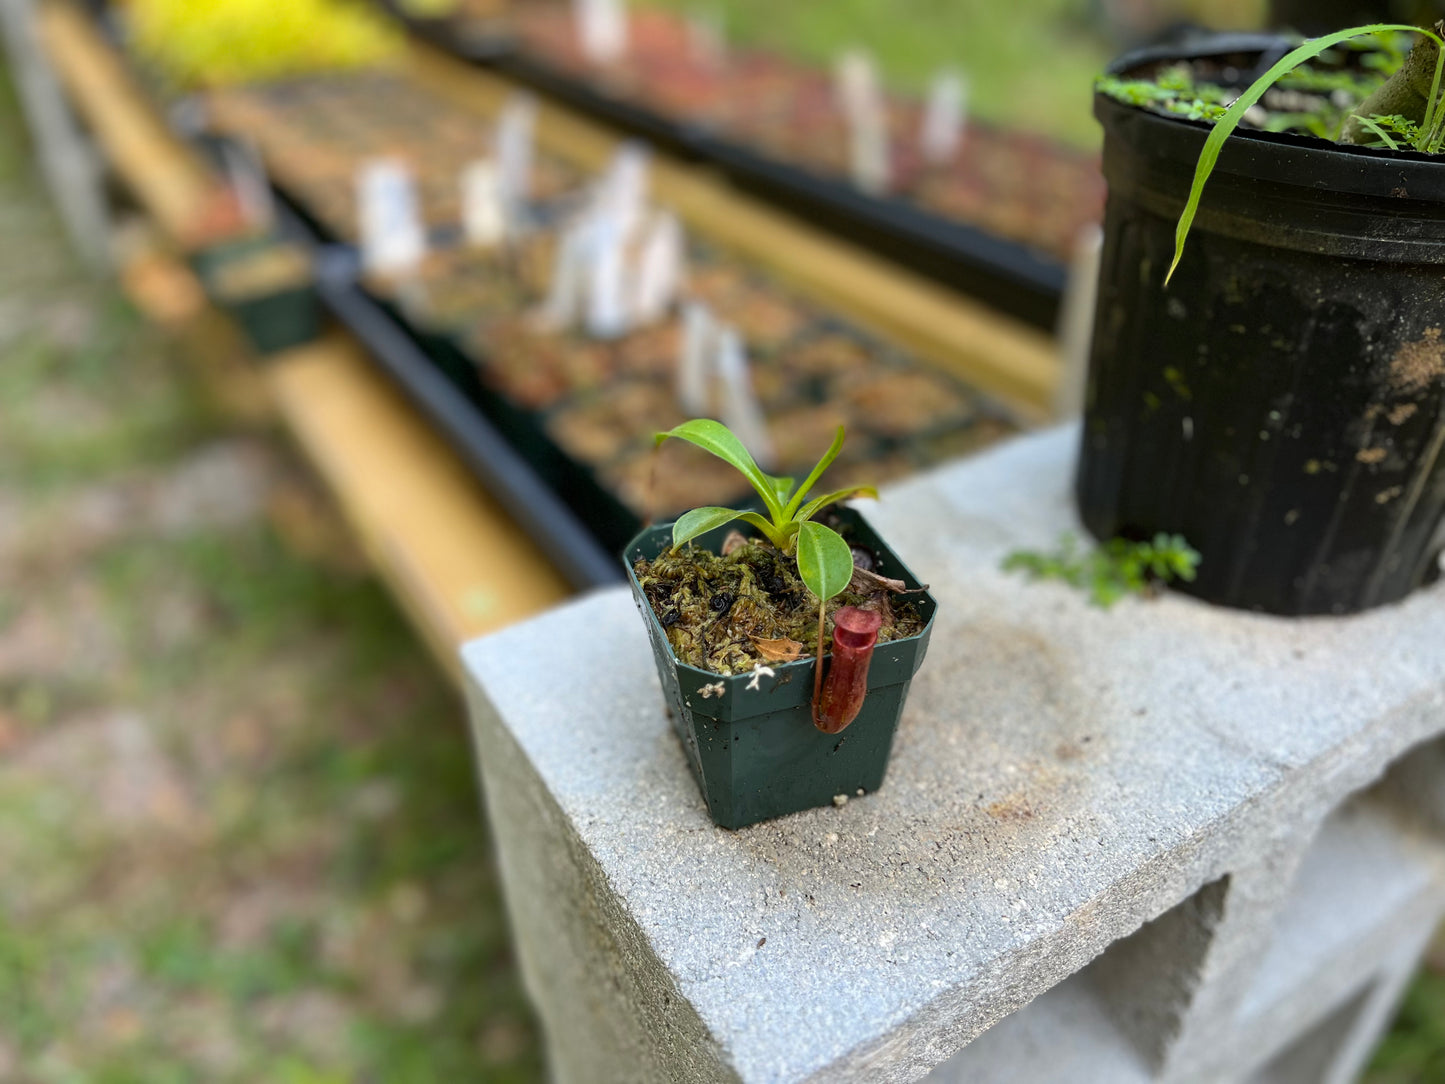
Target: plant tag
(621, 196)
(660, 269)
(694, 364)
(855, 82)
(247, 175)
(861, 100)
(601, 29)
(1076, 322)
(944, 117)
(484, 213)
(512, 144)
(392, 239)
(564, 296)
(741, 411)
(607, 316)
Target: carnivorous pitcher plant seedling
(824, 558)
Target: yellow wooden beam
(454, 558)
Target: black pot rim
(794, 666)
(1305, 160)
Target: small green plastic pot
(750, 739)
(273, 320)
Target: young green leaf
(1226, 125)
(817, 472)
(712, 436)
(825, 561)
(813, 507)
(1380, 133)
(782, 486)
(701, 520)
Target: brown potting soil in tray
(1021, 187)
(600, 402)
(315, 133)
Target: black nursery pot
(272, 320)
(754, 750)
(1280, 403)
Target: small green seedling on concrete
(1113, 570)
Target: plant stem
(818, 665)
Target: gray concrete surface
(1062, 777)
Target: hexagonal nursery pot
(750, 739)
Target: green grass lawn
(239, 830)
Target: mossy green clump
(716, 607)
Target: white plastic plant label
(871, 153)
(621, 197)
(660, 269)
(484, 212)
(607, 315)
(695, 362)
(393, 241)
(944, 118)
(741, 411)
(601, 29)
(855, 82)
(512, 148)
(866, 115)
(569, 269)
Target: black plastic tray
(456, 36)
(681, 138)
(560, 532)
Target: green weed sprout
(1428, 136)
(825, 561)
(1114, 570)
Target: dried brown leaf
(783, 650)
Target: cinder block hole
(1313, 1057)
(1146, 981)
(1366, 890)
(1063, 1036)
(1108, 1022)
(1414, 786)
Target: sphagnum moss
(714, 607)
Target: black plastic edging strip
(507, 476)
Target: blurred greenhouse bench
(451, 554)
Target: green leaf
(812, 479)
(698, 522)
(782, 486)
(1235, 113)
(1380, 133)
(701, 520)
(825, 561)
(712, 436)
(813, 507)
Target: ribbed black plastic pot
(1280, 402)
(750, 739)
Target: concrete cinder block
(1062, 776)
